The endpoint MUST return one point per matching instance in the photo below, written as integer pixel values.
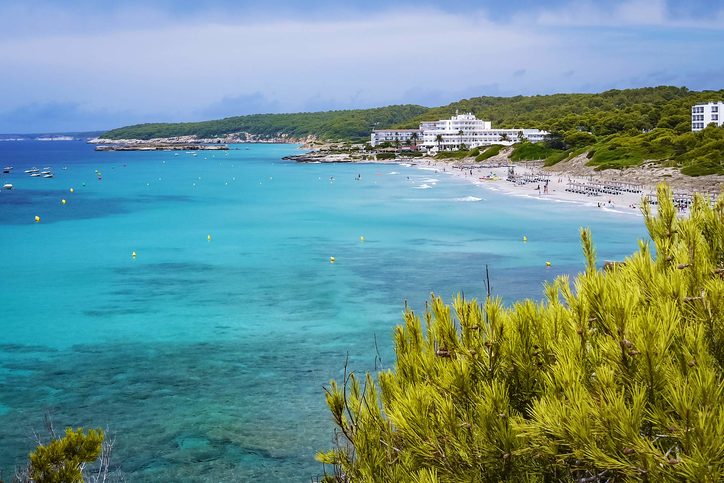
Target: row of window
(697, 125)
(696, 117)
(700, 109)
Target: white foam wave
(469, 198)
(423, 186)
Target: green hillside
(331, 125)
(617, 128)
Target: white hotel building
(461, 130)
(704, 114)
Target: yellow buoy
(525, 238)
(62, 202)
(72, 190)
(208, 237)
(133, 254)
(37, 219)
(548, 264)
(331, 260)
(362, 238)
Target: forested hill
(606, 113)
(334, 125)
(610, 112)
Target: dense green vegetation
(64, 459)
(620, 127)
(489, 152)
(618, 375)
(332, 125)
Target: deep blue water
(206, 359)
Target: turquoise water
(206, 359)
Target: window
(715, 117)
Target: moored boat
(7, 186)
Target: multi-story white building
(467, 131)
(458, 132)
(395, 136)
(704, 114)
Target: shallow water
(206, 359)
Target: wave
(423, 186)
(469, 198)
(393, 172)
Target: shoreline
(493, 176)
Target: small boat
(44, 172)
(35, 175)
(48, 175)
(7, 169)
(7, 186)
(32, 170)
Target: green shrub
(617, 375)
(489, 152)
(385, 156)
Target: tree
(504, 137)
(415, 138)
(460, 135)
(63, 460)
(615, 376)
(439, 140)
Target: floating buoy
(548, 264)
(37, 219)
(525, 239)
(62, 202)
(331, 260)
(208, 237)
(72, 190)
(83, 184)
(133, 255)
(362, 238)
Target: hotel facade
(460, 131)
(704, 114)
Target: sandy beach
(555, 183)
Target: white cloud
(630, 13)
(191, 66)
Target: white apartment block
(704, 114)
(395, 136)
(461, 130)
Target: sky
(82, 65)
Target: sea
(205, 355)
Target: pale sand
(625, 203)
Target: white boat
(48, 175)
(7, 169)
(32, 170)
(35, 175)
(7, 186)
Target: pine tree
(615, 376)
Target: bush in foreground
(615, 376)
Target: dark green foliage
(63, 459)
(618, 375)
(527, 151)
(382, 156)
(331, 125)
(454, 154)
(489, 152)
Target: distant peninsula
(615, 129)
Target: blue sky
(89, 64)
